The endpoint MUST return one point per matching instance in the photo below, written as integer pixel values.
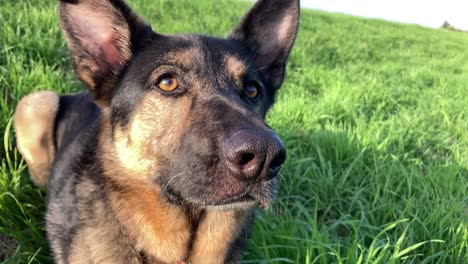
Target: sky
(429, 13)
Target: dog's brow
(168, 66)
(185, 56)
(235, 66)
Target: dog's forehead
(202, 54)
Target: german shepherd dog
(167, 155)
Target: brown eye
(168, 84)
(251, 91)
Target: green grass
(374, 116)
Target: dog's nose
(252, 155)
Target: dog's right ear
(102, 36)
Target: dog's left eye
(252, 91)
(168, 84)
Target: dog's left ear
(269, 30)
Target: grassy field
(374, 116)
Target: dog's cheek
(194, 170)
(152, 135)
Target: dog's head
(186, 112)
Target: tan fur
(215, 234)
(85, 74)
(138, 146)
(34, 125)
(236, 67)
(159, 229)
(96, 245)
(184, 59)
(186, 56)
(99, 240)
(109, 200)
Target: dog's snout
(252, 155)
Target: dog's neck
(161, 230)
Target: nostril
(246, 158)
(253, 155)
(279, 159)
(277, 162)
(248, 165)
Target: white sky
(430, 13)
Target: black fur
(219, 109)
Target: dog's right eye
(168, 83)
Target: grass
(374, 116)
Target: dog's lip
(250, 195)
(243, 198)
(172, 195)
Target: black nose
(252, 155)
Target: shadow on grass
(338, 195)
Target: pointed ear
(269, 30)
(102, 36)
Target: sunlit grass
(374, 116)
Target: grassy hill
(374, 116)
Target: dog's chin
(262, 194)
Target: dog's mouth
(262, 194)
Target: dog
(166, 156)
